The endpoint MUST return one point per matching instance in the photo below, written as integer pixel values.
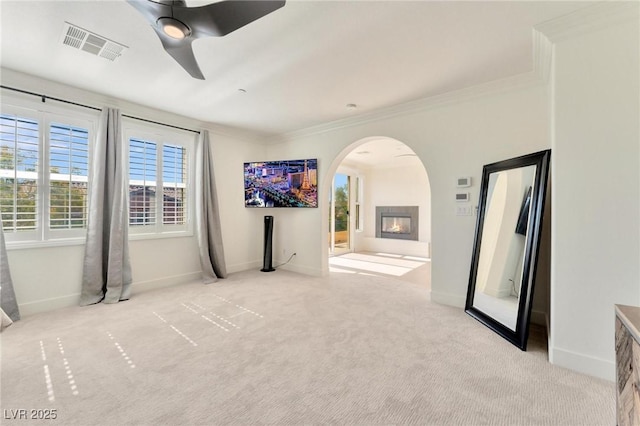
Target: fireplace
(397, 222)
(396, 225)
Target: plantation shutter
(174, 177)
(142, 182)
(19, 153)
(69, 171)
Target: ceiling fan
(178, 25)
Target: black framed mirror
(506, 245)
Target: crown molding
(32, 83)
(589, 19)
(542, 55)
(518, 81)
(544, 36)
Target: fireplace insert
(399, 222)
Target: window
(44, 175)
(68, 176)
(174, 170)
(44, 165)
(358, 203)
(142, 182)
(19, 164)
(160, 170)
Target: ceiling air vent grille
(81, 39)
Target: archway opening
(378, 220)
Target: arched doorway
(379, 215)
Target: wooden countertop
(630, 316)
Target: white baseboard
(46, 305)
(239, 267)
(581, 363)
(448, 299)
(141, 286)
(314, 272)
(257, 265)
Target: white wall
(396, 185)
(47, 278)
(242, 228)
(596, 191)
(452, 139)
(590, 110)
(589, 118)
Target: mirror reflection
(500, 264)
(503, 265)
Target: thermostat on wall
(463, 196)
(463, 182)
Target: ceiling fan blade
(182, 52)
(151, 10)
(216, 19)
(221, 18)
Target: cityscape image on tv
(289, 183)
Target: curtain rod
(44, 97)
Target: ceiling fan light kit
(174, 28)
(177, 25)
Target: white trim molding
(518, 81)
(582, 363)
(46, 305)
(593, 18)
(28, 82)
(449, 299)
(544, 35)
(175, 280)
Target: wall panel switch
(464, 210)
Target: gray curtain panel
(207, 217)
(106, 275)
(7, 295)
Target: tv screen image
(285, 183)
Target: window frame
(45, 114)
(57, 234)
(358, 203)
(162, 135)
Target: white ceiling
(382, 152)
(300, 65)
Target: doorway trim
(327, 185)
(348, 233)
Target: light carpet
(287, 349)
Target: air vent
(82, 39)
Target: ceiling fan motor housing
(173, 28)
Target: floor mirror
(506, 245)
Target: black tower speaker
(267, 264)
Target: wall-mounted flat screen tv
(286, 183)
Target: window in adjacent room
(358, 203)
